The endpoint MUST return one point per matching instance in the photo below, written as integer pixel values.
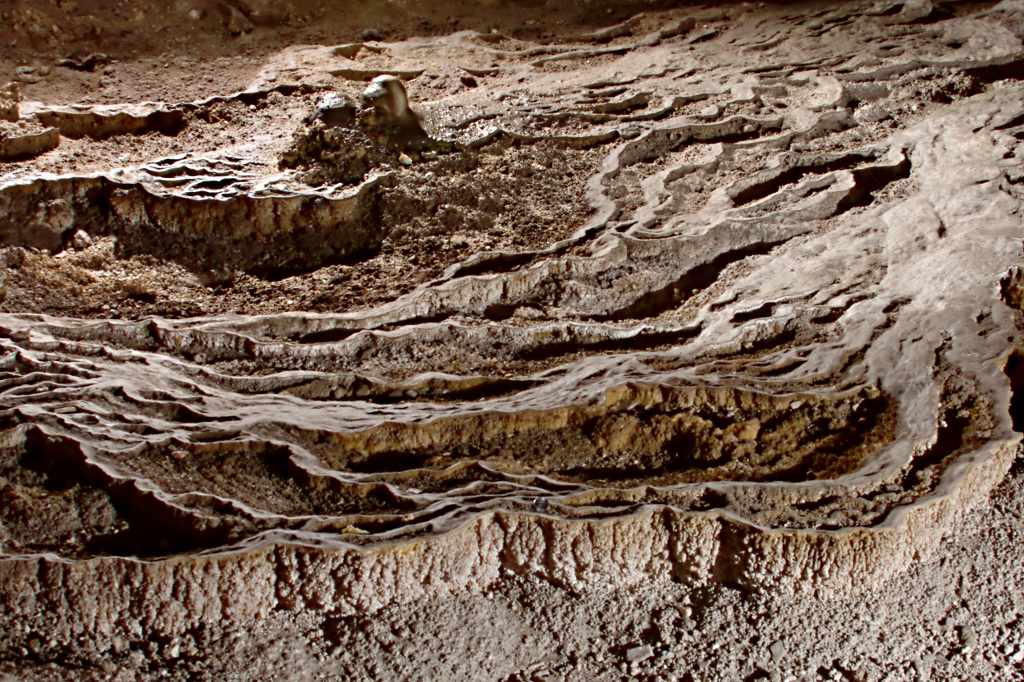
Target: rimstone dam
(516, 341)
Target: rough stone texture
(10, 98)
(19, 142)
(683, 320)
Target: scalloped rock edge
(113, 597)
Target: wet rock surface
(640, 328)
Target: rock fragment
(386, 110)
(903, 11)
(342, 143)
(88, 62)
(266, 12)
(236, 22)
(10, 96)
(81, 240)
(25, 142)
(677, 28)
(27, 74)
(334, 111)
(640, 652)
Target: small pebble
(81, 240)
(970, 638)
(778, 650)
(405, 160)
(639, 653)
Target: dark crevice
(172, 410)
(711, 499)
(968, 7)
(439, 316)
(701, 277)
(868, 180)
(728, 568)
(637, 342)
(497, 263)
(948, 441)
(1012, 123)
(154, 529)
(763, 310)
(832, 455)
(327, 335)
(759, 190)
(895, 306)
(490, 389)
(496, 312)
(832, 315)
(390, 462)
(1015, 373)
(1010, 67)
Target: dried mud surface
(660, 342)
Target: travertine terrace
(702, 297)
